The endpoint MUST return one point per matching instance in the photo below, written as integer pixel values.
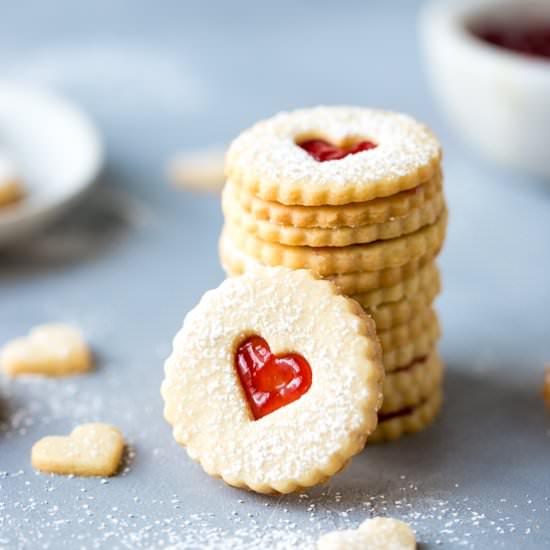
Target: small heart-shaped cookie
(91, 450)
(372, 534)
(50, 350)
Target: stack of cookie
(355, 195)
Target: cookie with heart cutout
(329, 260)
(332, 156)
(335, 236)
(346, 215)
(252, 365)
(387, 283)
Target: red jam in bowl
(530, 39)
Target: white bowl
(497, 99)
(57, 151)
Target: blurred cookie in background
(198, 170)
(11, 186)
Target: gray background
(136, 256)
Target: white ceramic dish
(58, 153)
(497, 99)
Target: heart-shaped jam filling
(270, 381)
(322, 150)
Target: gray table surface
(137, 255)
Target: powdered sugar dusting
(163, 500)
(146, 522)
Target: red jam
(322, 150)
(533, 40)
(270, 381)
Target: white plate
(58, 153)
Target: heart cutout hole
(322, 150)
(270, 381)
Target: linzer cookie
(355, 196)
(346, 259)
(375, 211)
(333, 155)
(236, 262)
(252, 365)
(424, 215)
